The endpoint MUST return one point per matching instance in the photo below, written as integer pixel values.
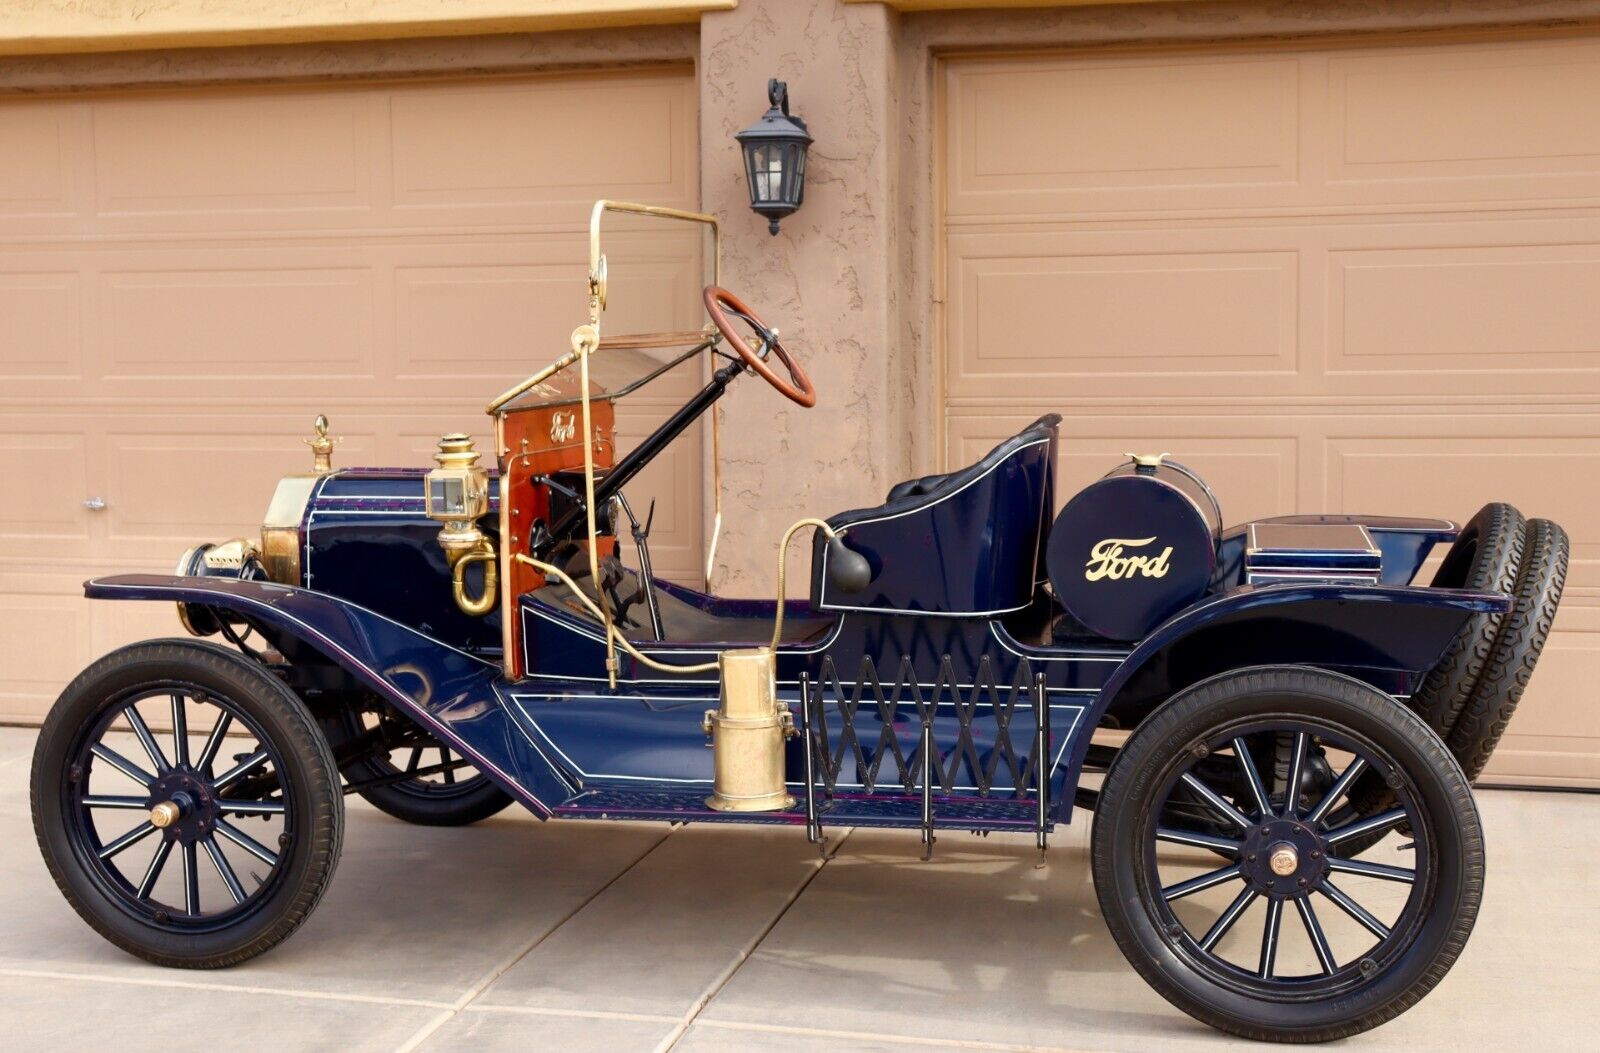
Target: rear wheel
(1293, 937)
(186, 804)
(421, 780)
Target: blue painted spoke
(208, 752)
(246, 842)
(1297, 767)
(1269, 938)
(122, 764)
(1337, 791)
(1319, 939)
(1200, 884)
(1355, 910)
(1197, 839)
(1220, 928)
(1375, 870)
(1247, 767)
(101, 800)
(243, 768)
(147, 740)
(180, 732)
(134, 836)
(191, 880)
(1382, 821)
(251, 807)
(153, 871)
(1216, 801)
(224, 871)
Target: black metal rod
(927, 788)
(813, 828)
(624, 470)
(1041, 758)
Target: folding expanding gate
(975, 755)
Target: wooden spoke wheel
(186, 803)
(1314, 924)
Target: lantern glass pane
(799, 169)
(766, 172)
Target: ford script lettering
(1107, 561)
(563, 426)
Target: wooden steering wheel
(720, 303)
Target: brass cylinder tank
(747, 734)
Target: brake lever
(641, 540)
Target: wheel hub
(182, 806)
(1284, 857)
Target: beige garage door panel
(1342, 280)
(411, 317)
(1261, 131)
(1364, 306)
(187, 277)
(515, 154)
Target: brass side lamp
(457, 497)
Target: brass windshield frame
(587, 340)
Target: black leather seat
(966, 542)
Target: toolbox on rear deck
(1277, 553)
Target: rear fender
(1386, 635)
(450, 692)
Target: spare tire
(1485, 558)
(1510, 661)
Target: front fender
(450, 692)
(1386, 635)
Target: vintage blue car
(1274, 726)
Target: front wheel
(186, 804)
(1308, 931)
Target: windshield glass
(615, 372)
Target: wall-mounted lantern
(775, 158)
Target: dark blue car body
(956, 636)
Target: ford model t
(1273, 725)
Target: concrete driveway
(516, 935)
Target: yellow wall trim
(63, 26)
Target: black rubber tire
(418, 801)
(481, 801)
(1522, 637)
(1169, 734)
(311, 778)
(1484, 558)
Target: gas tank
(1130, 551)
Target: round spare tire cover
(1129, 552)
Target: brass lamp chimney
(747, 734)
(458, 496)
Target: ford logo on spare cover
(1135, 548)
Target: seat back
(966, 543)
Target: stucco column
(824, 280)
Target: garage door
(186, 278)
(1340, 280)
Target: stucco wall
(826, 280)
